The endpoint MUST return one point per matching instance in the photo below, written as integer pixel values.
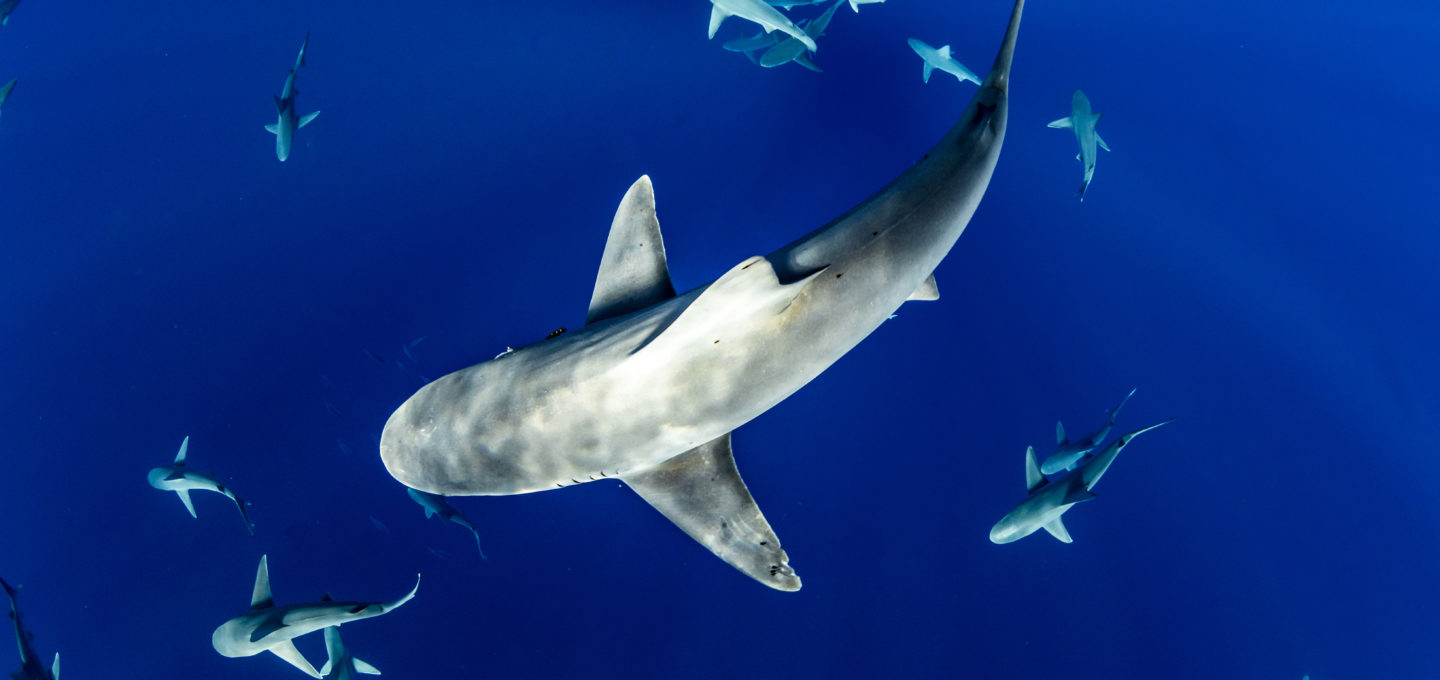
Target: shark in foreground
(182, 480)
(30, 668)
(6, 7)
(435, 504)
(1048, 500)
(757, 11)
(651, 388)
(5, 92)
(268, 628)
(791, 49)
(942, 60)
(340, 665)
(284, 128)
(1082, 120)
(1068, 453)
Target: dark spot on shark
(763, 542)
(838, 275)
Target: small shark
(268, 628)
(30, 668)
(284, 128)
(942, 60)
(791, 49)
(768, 17)
(1083, 121)
(759, 41)
(6, 7)
(5, 92)
(182, 480)
(650, 389)
(340, 665)
(855, 4)
(1048, 500)
(436, 504)
(1068, 453)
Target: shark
(285, 126)
(178, 477)
(855, 4)
(650, 389)
(340, 665)
(1048, 500)
(791, 49)
(1082, 121)
(435, 504)
(6, 7)
(270, 628)
(30, 668)
(754, 45)
(5, 92)
(1068, 453)
(757, 11)
(942, 60)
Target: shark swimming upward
(1082, 121)
(182, 480)
(1068, 453)
(287, 123)
(30, 668)
(651, 388)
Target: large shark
(6, 7)
(285, 126)
(179, 478)
(1082, 120)
(791, 49)
(340, 665)
(30, 668)
(268, 628)
(436, 504)
(757, 11)
(1048, 500)
(651, 388)
(1068, 453)
(5, 92)
(942, 60)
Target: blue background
(1257, 256)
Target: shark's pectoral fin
(804, 60)
(273, 128)
(287, 651)
(325, 670)
(1057, 529)
(1033, 477)
(926, 291)
(184, 495)
(365, 668)
(633, 272)
(702, 493)
(717, 16)
(1062, 123)
(928, 68)
(306, 120)
(1101, 142)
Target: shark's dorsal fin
(702, 493)
(184, 495)
(1059, 432)
(1057, 529)
(326, 598)
(926, 291)
(944, 51)
(633, 272)
(184, 446)
(260, 597)
(287, 651)
(1033, 477)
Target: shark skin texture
(651, 388)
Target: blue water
(1257, 257)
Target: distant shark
(855, 4)
(182, 480)
(1068, 453)
(30, 668)
(1048, 500)
(791, 49)
(284, 128)
(942, 60)
(6, 7)
(757, 11)
(1082, 120)
(340, 665)
(435, 504)
(651, 388)
(5, 92)
(268, 628)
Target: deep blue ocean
(1257, 257)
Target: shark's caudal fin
(633, 271)
(1057, 529)
(1116, 411)
(702, 493)
(1034, 479)
(241, 504)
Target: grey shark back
(1082, 122)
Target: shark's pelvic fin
(926, 292)
(184, 446)
(1058, 530)
(1062, 123)
(1034, 479)
(702, 493)
(184, 495)
(260, 597)
(633, 271)
(306, 120)
(287, 651)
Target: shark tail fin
(306, 120)
(1116, 411)
(241, 504)
(477, 546)
(1061, 123)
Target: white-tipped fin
(1062, 123)
(717, 16)
(926, 291)
(260, 596)
(287, 651)
(1033, 477)
(306, 120)
(184, 446)
(184, 495)
(1057, 529)
(633, 271)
